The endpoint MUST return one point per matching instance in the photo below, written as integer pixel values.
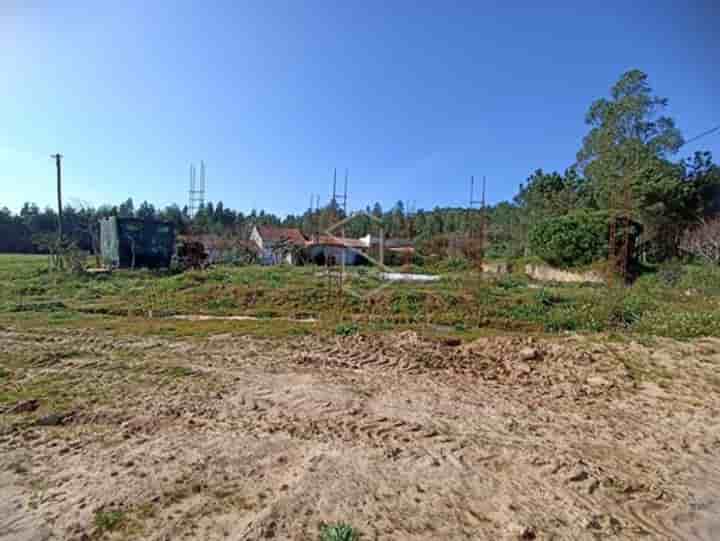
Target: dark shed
(130, 242)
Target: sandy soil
(404, 438)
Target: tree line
(626, 165)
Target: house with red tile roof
(277, 244)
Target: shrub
(338, 532)
(571, 240)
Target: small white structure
(407, 277)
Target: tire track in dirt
(562, 442)
(397, 438)
(17, 522)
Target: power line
(703, 134)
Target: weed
(106, 521)
(338, 532)
(178, 371)
(457, 264)
(266, 314)
(545, 297)
(510, 282)
(346, 329)
(670, 275)
(223, 303)
(407, 301)
(48, 306)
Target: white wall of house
(255, 237)
(265, 251)
(267, 255)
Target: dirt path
(238, 438)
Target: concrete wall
(496, 268)
(546, 273)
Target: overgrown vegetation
(670, 300)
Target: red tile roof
(330, 240)
(276, 234)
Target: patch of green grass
(681, 324)
(49, 306)
(221, 304)
(338, 532)
(107, 521)
(681, 303)
(510, 282)
(346, 329)
(178, 371)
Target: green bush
(571, 240)
(338, 532)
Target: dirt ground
(405, 438)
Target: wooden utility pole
(58, 158)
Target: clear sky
(412, 97)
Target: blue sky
(412, 97)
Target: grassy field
(679, 301)
(460, 409)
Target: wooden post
(58, 168)
(57, 158)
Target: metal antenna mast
(314, 216)
(197, 190)
(339, 199)
(201, 193)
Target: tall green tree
(146, 211)
(127, 208)
(629, 140)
